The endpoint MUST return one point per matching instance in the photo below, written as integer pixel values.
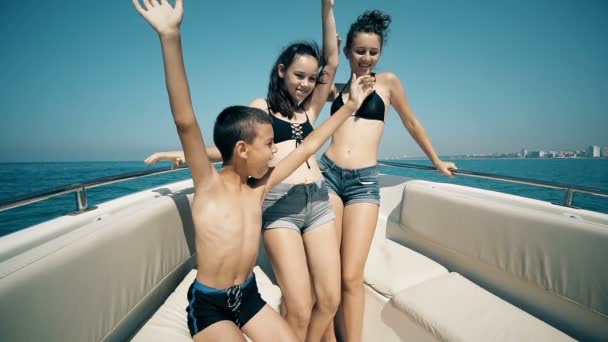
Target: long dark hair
(370, 22)
(278, 96)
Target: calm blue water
(23, 178)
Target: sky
(83, 80)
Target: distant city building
(590, 152)
(593, 152)
(403, 156)
(536, 154)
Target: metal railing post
(569, 197)
(81, 199)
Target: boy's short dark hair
(234, 124)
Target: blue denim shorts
(301, 207)
(352, 186)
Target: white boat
(448, 263)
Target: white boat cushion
(100, 281)
(527, 251)
(532, 240)
(170, 322)
(384, 322)
(453, 308)
(391, 268)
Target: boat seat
(101, 281)
(452, 308)
(391, 268)
(527, 252)
(169, 323)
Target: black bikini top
(372, 107)
(284, 131)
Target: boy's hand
(360, 88)
(160, 15)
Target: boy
(227, 205)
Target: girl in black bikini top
(372, 107)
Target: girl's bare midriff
(355, 144)
(303, 174)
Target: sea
(19, 179)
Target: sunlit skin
(355, 145)
(297, 258)
(303, 263)
(227, 235)
(300, 77)
(364, 53)
(259, 152)
(352, 141)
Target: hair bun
(370, 21)
(375, 18)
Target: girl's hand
(176, 158)
(160, 15)
(445, 167)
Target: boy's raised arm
(360, 88)
(166, 20)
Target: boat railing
(569, 189)
(81, 200)
(80, 189)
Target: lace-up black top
(284, 130)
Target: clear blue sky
(83, 80)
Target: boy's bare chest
(229, 213)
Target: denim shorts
(352, 186)
(301, 207)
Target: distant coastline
(493, 158)
(516, 158)
(592, 152)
